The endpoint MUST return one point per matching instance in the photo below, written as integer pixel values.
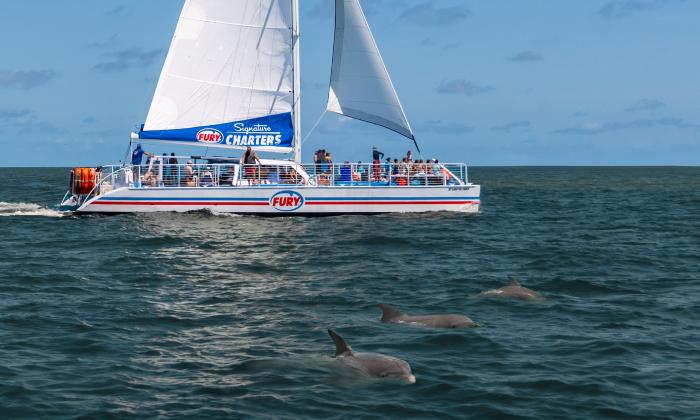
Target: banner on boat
(272, 132)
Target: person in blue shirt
(137, 157)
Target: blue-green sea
(213, 316)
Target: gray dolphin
(393, 315)
(513, 290)
(371, 364)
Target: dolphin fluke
(389, 313)
(341, 346)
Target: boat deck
(206, 175)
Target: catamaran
(232, 80)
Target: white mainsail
(360, 86)
(228, 79)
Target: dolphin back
(341, 346)
(389, 313)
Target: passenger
(420, 171)
(362, 170)
(207, 179)
(189, 175)
(319, 160)
(409, 156)
(293, 177)
(328, 162)
(376, 154)
(249, 160)
(273, 176)
(377, 157)
(395, 167)
(136, 158)
(228, 176)
(345, 172)
(167, 170)
(174, 170)
(436, 166)
(150, 179)
(405, 167)
(355, 167)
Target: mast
(297, 81)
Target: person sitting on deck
(292, 177)
(188, 175)
(273, 176)
(228, 176)
(150, 178)
(172, 180)
(345, 172)
(362, 171)
(167, 170)
(207, 179)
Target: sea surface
(206, 315)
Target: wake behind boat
(231, 80)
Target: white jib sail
(229, 61)
(360, 85)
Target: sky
(498, 82)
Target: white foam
(27, 209)
(223, 214)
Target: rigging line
(318, 121)
(417, 148)
(126, 154)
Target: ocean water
(206, 315)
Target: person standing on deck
(377, 157)
(249, 159)
(136, 158)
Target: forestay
(227, 80)
(360, 85)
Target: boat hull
(288, 200)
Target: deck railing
(324, 174)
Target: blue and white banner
(270, 132)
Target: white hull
(288, 200)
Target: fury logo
(286, 200)
(209, 135)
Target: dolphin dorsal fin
(513, 281)
(340, 345)
(389, 312)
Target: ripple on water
(211, 315)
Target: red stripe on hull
(172, 203)
(334, 203)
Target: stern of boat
(86, 184)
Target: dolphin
(393, 315)
(513, 290)
(371, 364)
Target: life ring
(82, 180)
(88, 177)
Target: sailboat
(231, 80)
